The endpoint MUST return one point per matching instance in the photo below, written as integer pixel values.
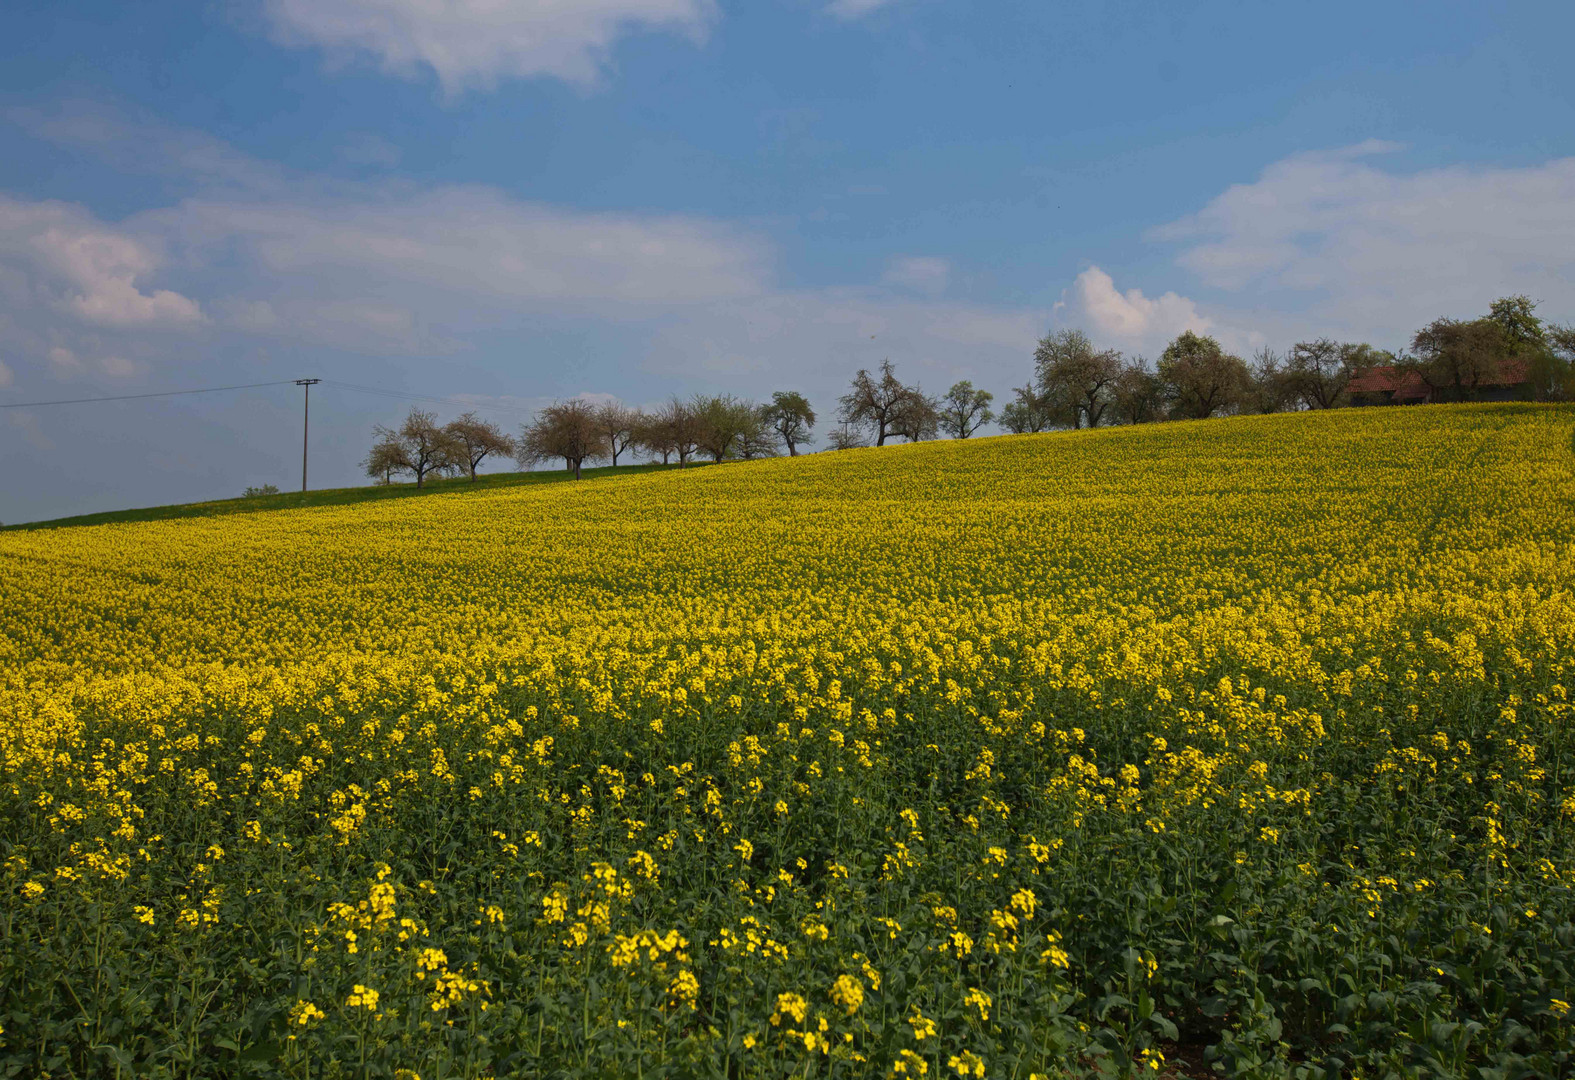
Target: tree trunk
(576, 468)
(792, 448)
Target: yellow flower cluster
(1080, 739)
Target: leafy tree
(619, 425)
(384, 460)
(1546, 348)
(965, 410)
(1138, 395)
(724, 424)
(475, 440)
(791, 417)
(1457, 358)
(567, 430)
(254, 492)
(875, 402)
(1516, 317)
(1201, 378)
(418, 447)
(1074, 377)
(1027, 413)
(1553, 378)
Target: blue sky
(507, 203)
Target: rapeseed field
(1241, 746)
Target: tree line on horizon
(1073, 385)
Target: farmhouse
(1393, 385)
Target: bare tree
(791, 417)
(1138, 396)
(618, 424)
(1071, 373)
(1027, 413)
(418, 447)
(965, 410)
(567, 430)
(670, 430)
(846, 437)
(1202, 378)
(1269, 387)
(1319, 372)
(686, 431)
(874, 402)
(759, 438)
(654, 435)
(475, 440)
(917, 416)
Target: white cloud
(472, 241)
(854, 9)
(369, 148)
(66, 364)
(138, 143)
(476, 42)
(1129, 318)
(119, 367)
(921, 273)
(32, 433)
(85, 267)
(1382, 252)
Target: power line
(134, 397)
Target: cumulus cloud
(1384, 250)
(1130, 318)
(476, 42)
(87, 268)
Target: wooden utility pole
(306, 419)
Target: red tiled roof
(1378, 380)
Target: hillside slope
(1248, 737)
(318, 497)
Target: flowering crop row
(1246, 744)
